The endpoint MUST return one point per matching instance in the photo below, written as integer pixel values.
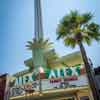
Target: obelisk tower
(37, 52)
(38, 20)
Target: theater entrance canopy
(60, 94)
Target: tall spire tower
(38, 20)
(37, 51)
(37, 45)
(41, 50)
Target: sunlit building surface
(57, 83)
(48, 76)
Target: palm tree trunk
(91, 77)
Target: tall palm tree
(76, 29)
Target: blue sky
(17, 27)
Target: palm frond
(87, 39)
(94, 27)
(86, 17)
(39, 44)
(94, 31)
(29, 42)
(70, 42)
(75, 27)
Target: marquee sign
(67, 72)
(55, 78)
(47, 84)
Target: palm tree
(38, 48)
(76, 29)
(48, 52)
(45, 44)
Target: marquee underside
(51, 94)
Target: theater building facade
(59, 82)
(49, 77)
